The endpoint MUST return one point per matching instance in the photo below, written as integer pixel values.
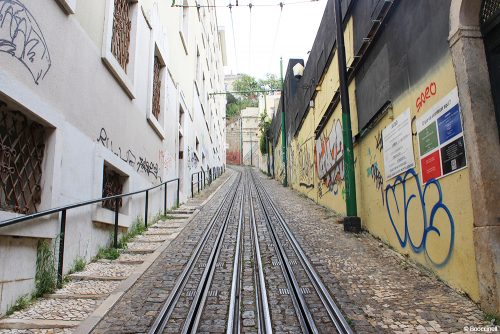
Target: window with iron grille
(22, 146)
(489, 10)
(112, 184)
(157, 87)
(122, 26)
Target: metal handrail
(63, 210)
(201, 178)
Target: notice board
(398, 146)
(441, 139)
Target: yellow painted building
(430, 213)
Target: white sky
(260, 41)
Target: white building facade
(99, 97)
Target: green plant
(109, 253)
(20, 304)
(46, 274)
(78, 265)
(493, 319)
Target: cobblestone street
(376, 289)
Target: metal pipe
(178, 190)
(165, 201)
(117, 204)
(350, 181)
(146, 209)
(283, 128)
(62, 233)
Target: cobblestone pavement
(62, 311)
(377, 289)
(139, 306)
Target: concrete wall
(96, 115)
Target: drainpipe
(283, 128)
(352, 223)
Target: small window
(22, 147)
(122, 26)
(112, 184)
(184, 25)
(158, 66)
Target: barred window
(122, 26)
(157, 87)
(22, 146)
(112, 184)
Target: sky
(266, 33)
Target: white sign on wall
(398, 146)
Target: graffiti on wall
(425, 95)
(400, 201)
(301, 157)
(375, 174)
(233, 157)
(379, 141)
(329, 160)
(141, 164)
(22, 38)
(192, 159)
(166, 160)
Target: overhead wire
(250, 38)
(250, 5)
(275, 39)
(234, 38)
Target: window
(157, 87)
(118, 49)
(157, 90)
(22, 147)
(112, 184)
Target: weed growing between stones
(46, 273)
(78, 265)
(20, 304)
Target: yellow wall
(453, 218)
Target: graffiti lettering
(429, 227)
(302, 160)
(166, 159)
(192, 160)
(305, 185)
(425, 95)
(329, 159)
(149, 168)
(377, 177)
(22, 38)
(379, 141)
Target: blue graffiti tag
(428, 223)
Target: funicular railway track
(287, 291)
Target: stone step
(75, 296)
(139, 251)
(178, 216)
(132, 262)
(76, 277)
(12, 323)
(182, 212)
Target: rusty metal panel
(22, 146)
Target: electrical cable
(275, 39)
(234, 38)
(280, 4)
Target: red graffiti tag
(426, 95)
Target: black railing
(200, 181)
(63, 210)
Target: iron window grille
(122, 26)
(157, 88)
(22, 147)
(112, 184)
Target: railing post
(192, 186)
(117, 205)
(146, 209)
(165, 200)
(178, 190)
(198, 182)
(61, 248)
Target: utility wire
(275, 40)
(250, 5)
(250, 39)
(234, 39)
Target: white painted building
(85, 111)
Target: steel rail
(333, 311)
(302, 310)
(161, 321)
(193, 318)
(263, 313)
(233, 322)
